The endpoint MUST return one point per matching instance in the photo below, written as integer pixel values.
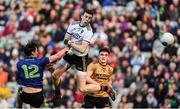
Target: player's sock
(57, 88)
(57, 92)
(56, 96)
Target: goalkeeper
(78, 37)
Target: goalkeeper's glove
(69, 52)
(67, 42)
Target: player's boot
(57, 95)
(111, 92)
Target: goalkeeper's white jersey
(78, 34)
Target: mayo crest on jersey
(78, 34)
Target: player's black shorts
(34, 99)
(79, 61)
(98, 102)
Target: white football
(167, 39)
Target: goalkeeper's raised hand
(67, 42)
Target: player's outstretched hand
(69, 52)
(67, 42)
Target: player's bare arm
(90, 80)
(81, 48)
(58, 55)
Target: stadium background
(145, 72)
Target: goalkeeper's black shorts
(79, 61)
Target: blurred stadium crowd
(146, 74)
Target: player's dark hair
(104, 50)
(30, 47)
(89, 11)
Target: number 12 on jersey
(32, 74)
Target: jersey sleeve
(88, 36)
(69, 30)
(91, 67)
(44, 61)
(111, 71)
